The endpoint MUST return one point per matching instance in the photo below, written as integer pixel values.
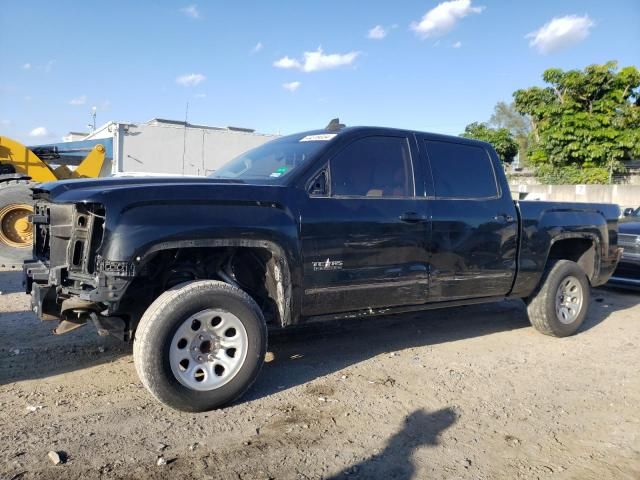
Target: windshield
(272, 161)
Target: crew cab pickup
(325, 224)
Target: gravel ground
(472, 393)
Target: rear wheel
(560, 304)
(16, 232)
(200, 345)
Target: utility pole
(92, 125)
(184, 138)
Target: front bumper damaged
(42, 290)
(73, 307)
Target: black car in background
(628, 272)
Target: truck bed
(543, 223)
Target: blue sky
(434, 70)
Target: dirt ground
(470, 393)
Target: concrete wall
(632, 177)
(623, 195)
(158, 148)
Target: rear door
(364, 237)
(474, 225)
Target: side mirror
(319, 184)
(627, 212)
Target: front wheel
(559, 305)
(200, 345)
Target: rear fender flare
(580, 236)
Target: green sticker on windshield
(279, 172)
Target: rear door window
(378, 166)
(461, 171)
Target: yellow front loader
(20, 168)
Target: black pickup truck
(324, 224)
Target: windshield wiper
(226, 180)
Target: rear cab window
(461, 170)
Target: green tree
(584, 124)
(500, 138)
(506, 116)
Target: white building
(173, 147)
(74, 136)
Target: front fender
(139, 231)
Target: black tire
(14, 192)
(161, 321)
(541, 306)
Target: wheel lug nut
(201, 337)
(199, 359)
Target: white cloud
(200, 95)
(258, 47)
(38, 132)
(317, 60)
(81, 100)
(28, 98)
(286, 62)
(443, 17)
(5, 123)
(377, 33)
(458, 44)
(291, 86)
(191, 11)
(560, 33)
(47, 67)
(190, 80)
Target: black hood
(54, 189)
(124, 192)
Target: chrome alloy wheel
(569, 298)
(208, 349)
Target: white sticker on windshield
(323, 137)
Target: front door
(364, 238)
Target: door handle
(412, 217)
(503, 218)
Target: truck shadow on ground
(11, 281)
(311, 352)
(45, 354)
(420, 429)
(301, 355)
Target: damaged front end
(67, 279)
